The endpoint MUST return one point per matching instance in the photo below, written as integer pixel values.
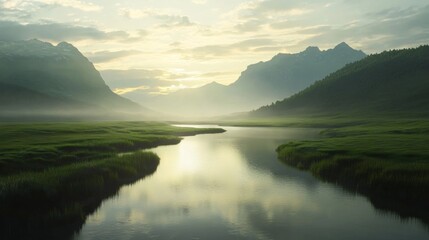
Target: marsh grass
(388, 161)
(54, 203)
(35, 147)
(73, 182)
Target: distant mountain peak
(312, 49)
(343, 45)
(214, 84)
(385, 83)
(37, 41)
(65, 45)
(59, 72)
(38, 49)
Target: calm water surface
(231, 186)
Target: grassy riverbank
(53, 175)
(55, 202)
(306, 121)
(35, 147)
(386, 160)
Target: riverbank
(387, 161)
(305, 121)
(38, 146)
(53, 175)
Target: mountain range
(260, 84)
(38, 78)
(393, 82)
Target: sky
(188, 43)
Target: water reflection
(230, 186)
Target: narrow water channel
(231, 186)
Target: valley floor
(60, 172)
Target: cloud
(251, 16)
(199, 2)
(12, 31)
(13, 14)
(216, 74)
(16, 4)
(392, 13)
(215, 51)
(252, 25)
(393, 28)
(80, 5)
(137, 77)
(177, 21)
(169, 89)
(168, 17)
(288, 7)
(122, 91)
(107, 56)
(142, 81)
(14, 9)
(150, 82)
(135, 13)
(283, 24)
(269, 49)
(29, 7)
(175, 44)
(396, 26)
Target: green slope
(392, 82)
(18, 103)
(17, 98)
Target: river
(231, 186)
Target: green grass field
(55, 174)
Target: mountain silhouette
(393, 82)
(260, 84)
(39, 78)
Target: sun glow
(189, 158)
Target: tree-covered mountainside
(37, 77)
(260, 84)
(391, 82)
